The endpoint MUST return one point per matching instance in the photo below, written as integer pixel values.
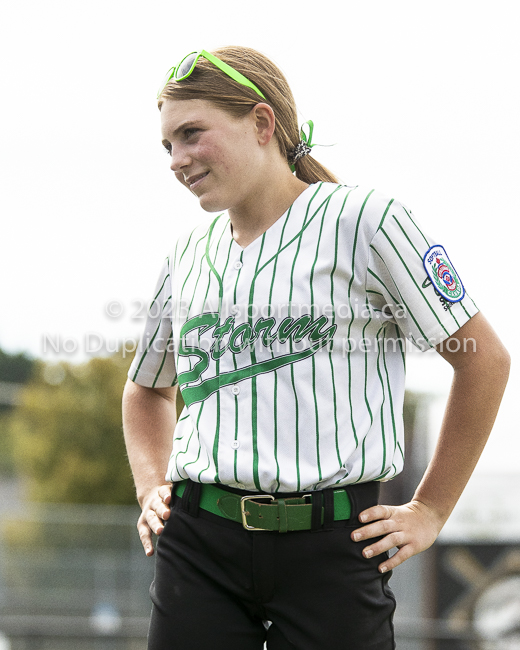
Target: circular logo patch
(442, 274)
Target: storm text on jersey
(242, 336)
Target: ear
(265, 121)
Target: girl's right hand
(155, 510)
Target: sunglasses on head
(188, 63)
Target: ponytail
(310, 171)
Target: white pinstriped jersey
(289, 353)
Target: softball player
(282, 320)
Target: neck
(263, 207)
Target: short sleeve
(402, 284)
(154, 364)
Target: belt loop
(328, 504)
(282, 515)
(185, 499)
(193, 508)
(316, 511)
(191, 498)
(354, 506)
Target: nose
(179, 159)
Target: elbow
(499, 364)
(504, 361)
(489, 364)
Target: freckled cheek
(211, 155)
(224, 162)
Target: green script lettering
(201, 323)
(240, 338)
(218, 334)
(295, 329)
(263, 329)
(243, 331)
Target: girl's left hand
(412, 528)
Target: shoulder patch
(442, 274)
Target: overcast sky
(421, 99)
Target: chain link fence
(76, 577)
(73, 577)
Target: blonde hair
(209, 83)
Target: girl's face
(215, 155)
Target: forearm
(480, 376)
(472, 406)
(149, 418)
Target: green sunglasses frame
(231, 72)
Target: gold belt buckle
(245, 512)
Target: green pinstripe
(149, 344)
(209, 461)
(352, 318)
(428, 244)
(236, 367)
(406, 235)
(196, 428)
(316, 414)
(291, 285)
(163, 360)
(421, 258)
(403, 302)
(389, 394)
(191, 268)
(366, 398)
(414, 281)
(217, 362)
(333, 270)
(254, 400)
(159, 292)
(353, 257)
(181, 453)
(396, 301)
(275, 397)
(417, 228)
(307, 224)
(400, 341)
(383, 434)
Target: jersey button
(235, 444)
(241, 486)
(235, 309)
(235, 389)
(238, 265)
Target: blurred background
(419, 100)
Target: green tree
(66, 433)
(15, 367)
(15, 370)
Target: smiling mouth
(193, 182)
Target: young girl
(281, 320)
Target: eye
(168, 149)
(190, 132)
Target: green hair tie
(304, 146)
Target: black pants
(220, 587)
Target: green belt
(292, 513)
